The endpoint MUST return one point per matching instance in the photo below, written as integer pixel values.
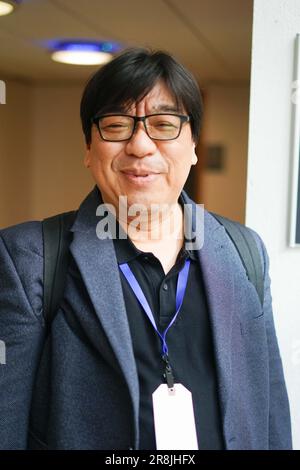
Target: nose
(140, 144)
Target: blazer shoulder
(21, 263)
(26, 236)
(257, 238)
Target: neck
(153, 227)
(162, 235)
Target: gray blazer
(78, 388)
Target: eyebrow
(108, 109)
(162, 108)
(166, 108)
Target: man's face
(119, 168)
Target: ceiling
(211, 37)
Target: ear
(194, 155)
(87, 157)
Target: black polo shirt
(189, 340)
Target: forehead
(159, 95)
(158, 99)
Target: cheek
(101, 158)
(181, 162)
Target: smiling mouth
(140, 176)
(137, 173)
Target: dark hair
(129, 78)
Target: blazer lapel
(98, 266)
(218, 276)
(219, 283)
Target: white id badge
(174, 419)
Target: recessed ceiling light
(81, 57)
(6, 7)
(83, 52)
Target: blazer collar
(218, 276)
(86, 218)
(96, 261)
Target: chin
(146, 200)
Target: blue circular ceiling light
(8, 6)
(81, 52)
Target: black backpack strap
(57, 238)
(248, 252)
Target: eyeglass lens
(158, 126)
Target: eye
(116, 125)
(164, 124)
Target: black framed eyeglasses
(120, 127)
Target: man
(154, 344)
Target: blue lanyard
(180, 291)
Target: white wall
(276, 23)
